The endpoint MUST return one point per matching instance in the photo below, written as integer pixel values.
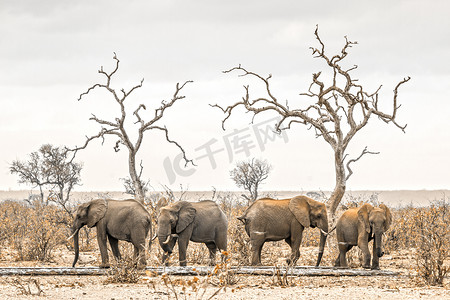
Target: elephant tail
(150, 231)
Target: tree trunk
(42, 195)
(339, 189)
(139, 191)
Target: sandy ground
(247, 287)
(404, 286)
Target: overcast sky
(50, 52)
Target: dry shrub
(87, 239)
(124, 271)
(193, 288)
(433, 248)
(238, 241)
(29, 286)
(426, 230)
(403, 232)
(33, 231)
(222, 275)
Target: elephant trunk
(323, 239)
(378, 247)
(76, 247)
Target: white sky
(50, 52)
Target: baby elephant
(357, 226)
(200, 222)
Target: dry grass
(33, 232)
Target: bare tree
(130, 188)
(250, 175)
(117, 127)
(50, 167)
(30, 172)
(339, 108)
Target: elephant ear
(186, 215)
(388, 221)
(96, 211)
(301, 209)
(363, 216)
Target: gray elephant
(200, 222)
(357, 226)
(115, 220)
(273, 220)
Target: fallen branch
(201, 271)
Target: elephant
(126, 220)
(273, 220)
(357, 226)
(200, 222)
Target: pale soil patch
(247, 287)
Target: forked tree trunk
(139, 191)
(339, 189)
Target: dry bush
(199, 288)
(403, 231)
(194, 288)
(32, 231)
(433, 247)
(427, 231)
(124, 271)
(238, 241)
(29, 286)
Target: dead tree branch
(118, 128)
(365, 151)
(337, 108)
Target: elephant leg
(165, 257)
(295, 254)
(139, 257)
(256, 245)
(341, 261)
(288, 241)
(101, 239)
(337, 262)
(138, 236)
(295, 247)
(221, 243)
(182, 249)
(363, 244)
(212, 253)
(114, 243)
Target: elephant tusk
(327, 233)
(259, 232)
(70, 237)
(154, 237)
(167, 240)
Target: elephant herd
(204, 222)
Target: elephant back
(209, 210)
